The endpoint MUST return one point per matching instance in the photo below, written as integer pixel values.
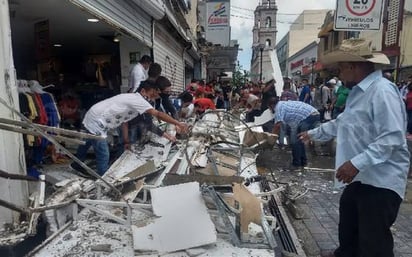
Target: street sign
(358, 15)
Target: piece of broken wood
(174, 179)
(251, 207)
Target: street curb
(309, 245)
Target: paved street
(318, 229)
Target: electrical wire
(278, 21)
(277, 13)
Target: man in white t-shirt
(139, 73)
(110, 114)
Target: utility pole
(261, 59)
(313, 61)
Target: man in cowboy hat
(372, 156)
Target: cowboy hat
(354, 50)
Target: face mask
(164, 95)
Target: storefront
(81, 50)
(85, 46)
(300, 64)
(133, 21)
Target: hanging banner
(358, 15)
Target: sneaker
(295, 168)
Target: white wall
(305, 29)
(11, 150)
(127, 46)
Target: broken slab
(174, 179)
(184, 221)
(222, 248)
(129, 163)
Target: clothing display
(39, 107)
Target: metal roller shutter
(189, 60)
(169, 53)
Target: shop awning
(326, 29)
(171, 17)
(154, 8)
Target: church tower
(264, 39)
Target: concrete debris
(67, 237)
(165, 209)
(101, 248)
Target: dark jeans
(298, 147)
(250, 116)
(101, 150)
(366, 215)
(409, 112)
(336, 111)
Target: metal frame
(89, 204)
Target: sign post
(358, 15)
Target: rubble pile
(199, 197)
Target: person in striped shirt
(300, 117)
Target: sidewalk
(318, 229)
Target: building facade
(302, 32)
(218, 51)
(303, 63)
(394, 40)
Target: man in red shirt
(203, 104)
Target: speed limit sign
(358, 14)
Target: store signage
(218, 22)
(218, 16)
(295, 65)
(358, 15)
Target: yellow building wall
(406, 42)
(305, 29)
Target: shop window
(268, 22)
(326, 43)
(351, 34)
(335, 36)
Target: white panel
(169, 54)
(184, 223)
(125, 15)
(11, 150)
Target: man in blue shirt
(300, 117)
(305, 93)
(372, 156)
